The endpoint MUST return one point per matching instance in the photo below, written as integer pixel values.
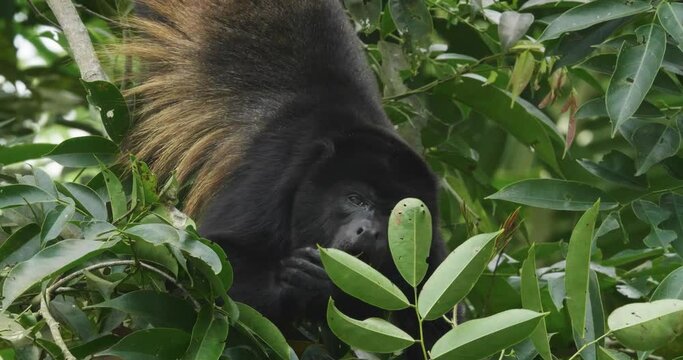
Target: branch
(54, 329)
(78, 125)
(77, 36)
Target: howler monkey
(269, 109)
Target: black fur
(296, 69)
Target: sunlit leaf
(554, 194)
(647, 326)
(577, 268)
(360, 280)
(592, 13)
(373, 335)
(512, 27)
(410, 238)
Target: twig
(77, 36)
(47, 294)
(54, 328)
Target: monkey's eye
(356, 199)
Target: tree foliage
(554, 127)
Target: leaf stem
(419, 324)
(586, 345)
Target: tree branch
(77, 36)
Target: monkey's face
(346, 203)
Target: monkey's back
(215, 71)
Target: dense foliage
(555, 128)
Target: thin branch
(77, 36)
(54, 328)
(78, 125)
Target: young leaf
(578, 270)
(647, 326)
(554, 194)
(86, 199)
(56, 219)
(592, 13)
(361, 281)
(22, 194)
(263, 329)
(636, 69)
(480, 338)
(456, 276)
(50, 261)
(372, 335)
(84, 151)
(150, 344)
(158, 234)
(671, 17)
(410, 239)
(208, 336)
(157, 308)
(117, 198)
(521, 74)
(531, 300)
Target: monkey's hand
(303, 276)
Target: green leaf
(365, 12)
(150, 344)
(456, 276)
(479, 338)
(410, 239)
(512, 27)
(264, 330)
(20, 246)
(208, 335)
(86, 199)
(671, 287)
(554, 194)
(372, 335)
(117, 198)
(158, 234)
(361, 281)
(84, 151)
(653, 143)
(531, 300)
(647, 326)
(610, 354)
(636, 69)
(52, 260)
(653, 215)
(523, 121)
(56, 219)
(107, 99)
(674, 203)
(22, 152)
(157, 308)
(617, 168)
(592, 13)
(22, 194)
(521, 74)
(577, 268)
(671, 17)
(413, 21)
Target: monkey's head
(345, 201)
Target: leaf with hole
(410, 238)
(647, 326)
